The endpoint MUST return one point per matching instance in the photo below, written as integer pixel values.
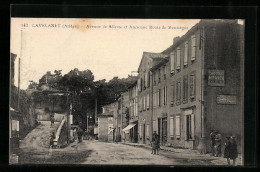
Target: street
(35, 150)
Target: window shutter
(148, 130)
(192, 126)
(140, 131)
(178, 125)
(172, 62)
(193, 47)
(178, 65)
(154, 126)
(171, 126)
(186, 54)
(139, 84)
(159, 97)
(185, 127)
(148, 101)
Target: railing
(57, 135)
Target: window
(178, 65)
(140, 131)
(178, 127)
(144, 107)
(165, 95)
(148, 79)
(185, 89)
(15, 125)
(172, 59)
(192, 86)
(147, 101)
(173, 94)
(159, 97)
(193, 48)
(139, 84)
(154, 78)
(189, 120)
(147, 130)
(178, 92)
(171, 127)
(185, 63)
(164, 72)
(159, 75)
(154, 99)
(145, 84)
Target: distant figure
(155, 143)
(52, 121)
(52, 139)
(218, 140)
(80, 134)
(212, 141)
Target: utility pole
(96, 90)
(18, 86)
(68, 116)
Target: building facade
(192, 87)
(201, 87)
(133, 112)
(144, 86)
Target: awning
(129, 127)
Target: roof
(162, 62)
(202, 23)
(154, 56)
(132, 85)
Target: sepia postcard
(127, 91)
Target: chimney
(175, 39)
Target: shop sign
(216, 78)
(226, 99)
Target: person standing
(233, 154)
(212, 141)
(153, 143)
(80, 133)
(227, 149)
(52, 139)
(218, 140)
(157, 143)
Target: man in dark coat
(233, 149)
(230, 151)
(155, 143)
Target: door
(144, 134)
(164, 131)
(136, 133)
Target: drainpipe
(151, 105)
(202, 144)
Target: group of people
(230, 149)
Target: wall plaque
(226, 99)
(216, 78)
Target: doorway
(159, 128)
(164, 131)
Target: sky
(108, 47)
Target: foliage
(85, 90)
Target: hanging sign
(226, 99)
(216, 78)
